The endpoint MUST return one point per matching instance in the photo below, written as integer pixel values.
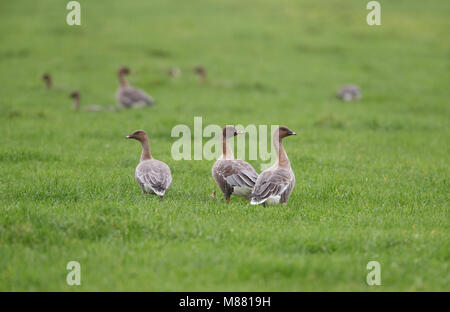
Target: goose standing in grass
(174, 72)
(153, 176)
(129, 97)
(201, 72)
(349, 93)
(275, 184)
(233, 176)
(75, 95)
(48, 80)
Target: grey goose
(129, 97)
(48, 80)
(349, 93)
(201, 72)
(233, 176)
(153, 176)
(275, 184)
(174, 72)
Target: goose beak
(129, 137)
(291, 133)
(239, 132)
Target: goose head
(139, 135)
(230, 131)
(201, 71)
(76, 96)
(123, 71)
(48, 79)
(284, 132)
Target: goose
(201, 72)
(48, 80)
(75, 95)
(153, 176)
(275, 184)
(233, 176)
(174, 72)
(349, 93)
(129, 97)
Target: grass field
(372, 175)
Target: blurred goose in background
(77, 101)
(275, 184)
(349, 93)
(153, 176)
(233, 176)
(201, 72)
(174, 72)
(48, 80)
(129, 97)
(75, 95)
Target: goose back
(234, 177)
(273, 186)
(153, 176)
(127, 96)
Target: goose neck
(282, 158)
(122, 80)
(227, 153)
(145, 149)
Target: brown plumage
(275, 184)
(153, 176)
(75, 95)
(48, 80)
(201, 72)
(130, 97)
(233, 176)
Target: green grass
(372, 176)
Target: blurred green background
(372, 175)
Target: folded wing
(233, 174)
(271, 183)
(154, 175)
(127, 96)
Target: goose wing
(128, 96)
(271, 183)
(154, 174)
(236, 173)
